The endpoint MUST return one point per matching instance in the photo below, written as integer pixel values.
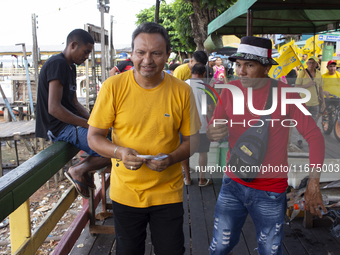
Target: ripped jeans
(267, 209)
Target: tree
(186, 21)
(167, 17)
(205, 11)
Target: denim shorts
(75, 135)
(267, 209)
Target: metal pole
(28, 78)
(7, 104)
(102, 41)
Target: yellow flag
(284, 47)
(287, 61)
(309, 46)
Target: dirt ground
(41, 203)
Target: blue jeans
(267, 210)
(76, 136)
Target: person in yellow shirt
(146, 108)
(331, 80)
(183, 72)
(311, 79)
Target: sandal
(209, 182)
(187, 183)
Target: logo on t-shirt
(167, 115)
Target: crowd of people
(155, 123)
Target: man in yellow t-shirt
(146, 108)
(183, 72)
(311, 79)
(331, 80)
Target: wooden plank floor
(199, 205)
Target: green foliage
(175, 18)
(167, 18)
(182, 24)
(221, 5)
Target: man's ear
(74, 45)
(267, 69)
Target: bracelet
(116, 152)
(117, 161)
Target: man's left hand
(158, 165)
(313, 198)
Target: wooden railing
(10, 71)
(18, 185)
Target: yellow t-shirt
(302, 79)
(331, 83)
(149, 121)
(183, 72)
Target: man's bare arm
(113, 71)
(56, 109)
(313, 197)
(96, 138)
(80, 108)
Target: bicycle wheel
(327, 123)
(337, 128)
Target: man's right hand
(218, 132)
(129, 158)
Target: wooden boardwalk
(199, 205)
(15, 131)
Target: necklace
(265, 103)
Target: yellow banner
(287, 61)
(309, 46)
(284, 47)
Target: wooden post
(35, 50)
(249, 22)
(20, 225)
(1, 170)
(112, 49)
(157, 12)
(21, 113)
(87, 81)
(7, 115)
(102, 43)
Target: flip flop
(209, 182)
(75, 183)
(187, 183)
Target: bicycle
(331, 116)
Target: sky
(56, 18)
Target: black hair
(152, 28)
(198, 69)
(200, 56)
(79, 36)
(173, 67)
